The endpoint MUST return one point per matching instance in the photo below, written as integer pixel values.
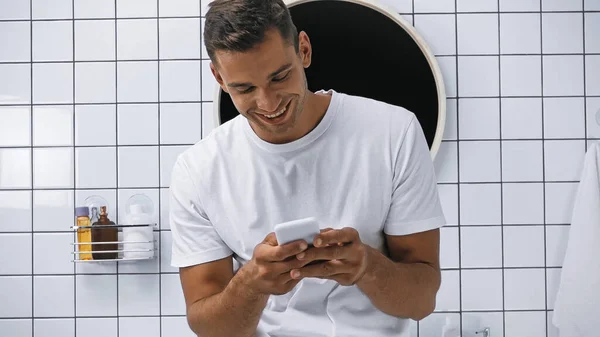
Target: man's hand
(345, 254)
(268, 272)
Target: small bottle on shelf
(84, 233)
(104, 230)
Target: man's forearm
(400, 289)
(232, 312)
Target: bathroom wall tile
(180, 123)
(520, 33)
(15, 129)
(180, 81)
(592, 69)
(593, 117)
(16, 327)
(53, 168)
(592, 26)
(59, 9)
(209, 84)
(203, 6)
(564, 117)
(552, 331)
(209, 119)
(138, 295)
(165, 196)
(143, 266)
(64, 327)
(52, 83)
(446, 162)
(448, 194)
(528, 323)
(18, 10)
(451, 127)
(481, 247)
(165, 253)
(203, 52)
(521, 75)
(53, 210)
(477, 33)
(561, 5)
(592, 5)
(137, 8)
(15, 84)
(564, 159)
(521, 118)
(168, 156)
(478, 76)
(15, 211)
(109, 196)
(52, 125)
(52, 40)
(95, 167)
(438, 30)
(138, 166)
(520, 6)
(523, 246)
(448, 67)
(556, 244)
(53, 296)
(95, 268)
(552, 285)
(96, 295)
(479, 118)
(137, 39)
(52, 253)
(481, 289)
(523, 203)
(442, 6)
(15, 168)
(480, 204)
(175, 326)
(479, 161)
(15, 41)
(94, 40)
(171, 295)
(94, 9)
(126, 194)
(96, 327)
(95, 82)
(524, 289)
(474, 322)
(137, 124)
(139, 326)
(95, 125)
(16, 295)
(178, 8)
(563, 75)
(559, 202)
(11, 246)
(449, 247)
(179, 38)
(522, 160)
(477, 5)
(562, 32)
(434, 324)
(137, 81)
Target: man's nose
(267, 100)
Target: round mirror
(362, 48)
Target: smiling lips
(278, 113)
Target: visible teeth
(277, 114)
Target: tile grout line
(418, 323)
(74, 166)
(544, 167)
(116, 209)
(585, 133)
(159, 240)
(31, 138)
(501, 171)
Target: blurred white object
(576, 309)
(138, 236)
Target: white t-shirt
(365, 165)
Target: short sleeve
(415, 205)
(194, 239)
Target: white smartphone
(301, 229)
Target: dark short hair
(239, 25)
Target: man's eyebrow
(273, 74)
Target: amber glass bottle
(104, 230)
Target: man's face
(267, 85)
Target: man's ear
(218, 77)
(305, 49)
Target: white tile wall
(523, 103)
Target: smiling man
(360, 166)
